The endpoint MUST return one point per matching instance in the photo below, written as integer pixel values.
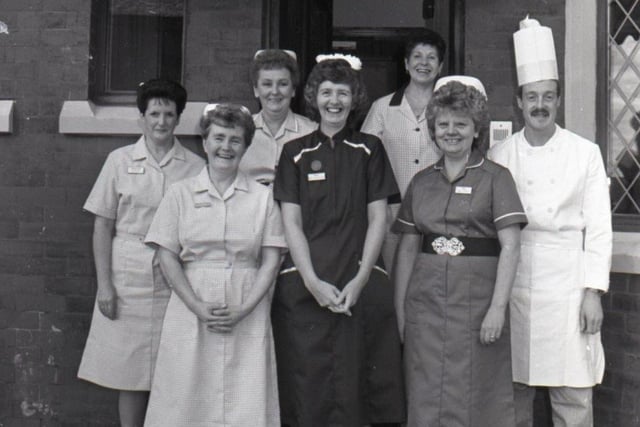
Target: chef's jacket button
(549, 210)
(417, 129)
(553, 181)
(530, 182)
(416, 161)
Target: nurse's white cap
(535, 52)
(465, 80)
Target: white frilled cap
(465, 80)
(535, 52)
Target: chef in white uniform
(556, 313)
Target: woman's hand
(492, 325)
(327, 295)
(107, 301)
(225, 318)
(351, 292)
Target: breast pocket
(138, 191)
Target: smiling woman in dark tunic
(460, 226)
(337, 345)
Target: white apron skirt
(120, 353)
(548, 348)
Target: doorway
(370, 29)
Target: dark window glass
(133, 41)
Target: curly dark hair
(460, 98)
(340, 72)
(274, 59)
(228, 116)
(428, 37)
(162, 89)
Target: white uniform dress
(205, 378)
(565, 248)
(120, 353)
(260, 161)
(409, 147)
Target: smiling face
(224, 147)
(275, 89)
(454, 133)
(423, 65)
(334, 105)
(160, 120)
(539, 105)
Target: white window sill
(6, 116)
(626, 253)
(84, 117)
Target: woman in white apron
(125, 328)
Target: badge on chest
(135, 170)
(316, 175)
(461, 189)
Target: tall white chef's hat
(535, 52)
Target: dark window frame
(100, 66)
(621, 222)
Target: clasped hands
(330, 297)
(219, 317)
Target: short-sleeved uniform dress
(336, 370)
(452, 379)
(120, 353)
(260, 161)
(205, 378)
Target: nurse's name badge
(463, 190)
(135, 170)
(317, 176)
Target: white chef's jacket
(565, 248)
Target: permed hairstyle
(274, 59)
(228, 116)
(340, 72)
(428, 37)
(460, 98)
(161, 89)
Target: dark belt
(460, 246)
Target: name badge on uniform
(203, 204)
(462, 189)
(317, 176)
(135, 170)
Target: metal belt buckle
(442, 245)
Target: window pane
(624, 98)
(135, 40)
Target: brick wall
(617, 400)
(489, 28)
(47, 280)
(47, 283)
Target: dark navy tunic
(336, 370)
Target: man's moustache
(539, 112)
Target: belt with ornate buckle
(460, 246)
